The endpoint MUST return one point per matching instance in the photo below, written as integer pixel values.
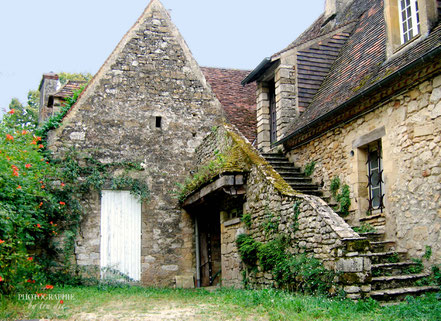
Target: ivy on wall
(40, 201)
(293, 272)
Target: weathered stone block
(350, 265)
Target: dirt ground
(161, 310)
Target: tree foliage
(82, 76)
(26, 116)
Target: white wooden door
(120, 234)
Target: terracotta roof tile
(68, 89)
(238, 101)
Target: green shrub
(335, 185)
(246, 219)
(364, 228)
(302, 273)
(291, 272)
(271, 252)
(309, 168)
(248, 248)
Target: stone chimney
(48, 86)
(334, 6)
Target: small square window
(158, 122)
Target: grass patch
(223, 304)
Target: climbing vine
(40, 201)
(342, 195)
(294, 272)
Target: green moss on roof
(238, 158)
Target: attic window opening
(409, 19)
(158, 122)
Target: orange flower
(42, 186)
(62, 184)
(38, 225)
(28, 165)
(38, 138)
(9, 137)
(19, 187)
(51, 223)
(41, 204)
(62, 203)
(1, 241)
(33, 142)
(12, 111)
(30, 258)
(49, 287)
(24, 132)
(15, 173)
(40, 146)
(1, 279)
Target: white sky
(77, 36)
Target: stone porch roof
(239, 101)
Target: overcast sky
(77, 36)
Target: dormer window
(409, 19)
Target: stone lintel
(369, 137)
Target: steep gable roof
(135, 34)
(238, 101)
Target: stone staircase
(393, 276)
(293, 175)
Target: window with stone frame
(409, 19)
(375, 177)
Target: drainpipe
(198, 254)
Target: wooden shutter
(120, 234)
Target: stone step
(304, 186)
(282, 168)
(383, 246)
(273, 155)
(281, 163)
(395, 268)
(291, 174)
(373, 236)
(298, 179)
(386, 257)
(396, 281)
(315, 193)
(401, 293)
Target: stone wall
(411, 126)
(231, 262)
(316, 231)
(150, 74)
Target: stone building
(149, 104)
(357, 96)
